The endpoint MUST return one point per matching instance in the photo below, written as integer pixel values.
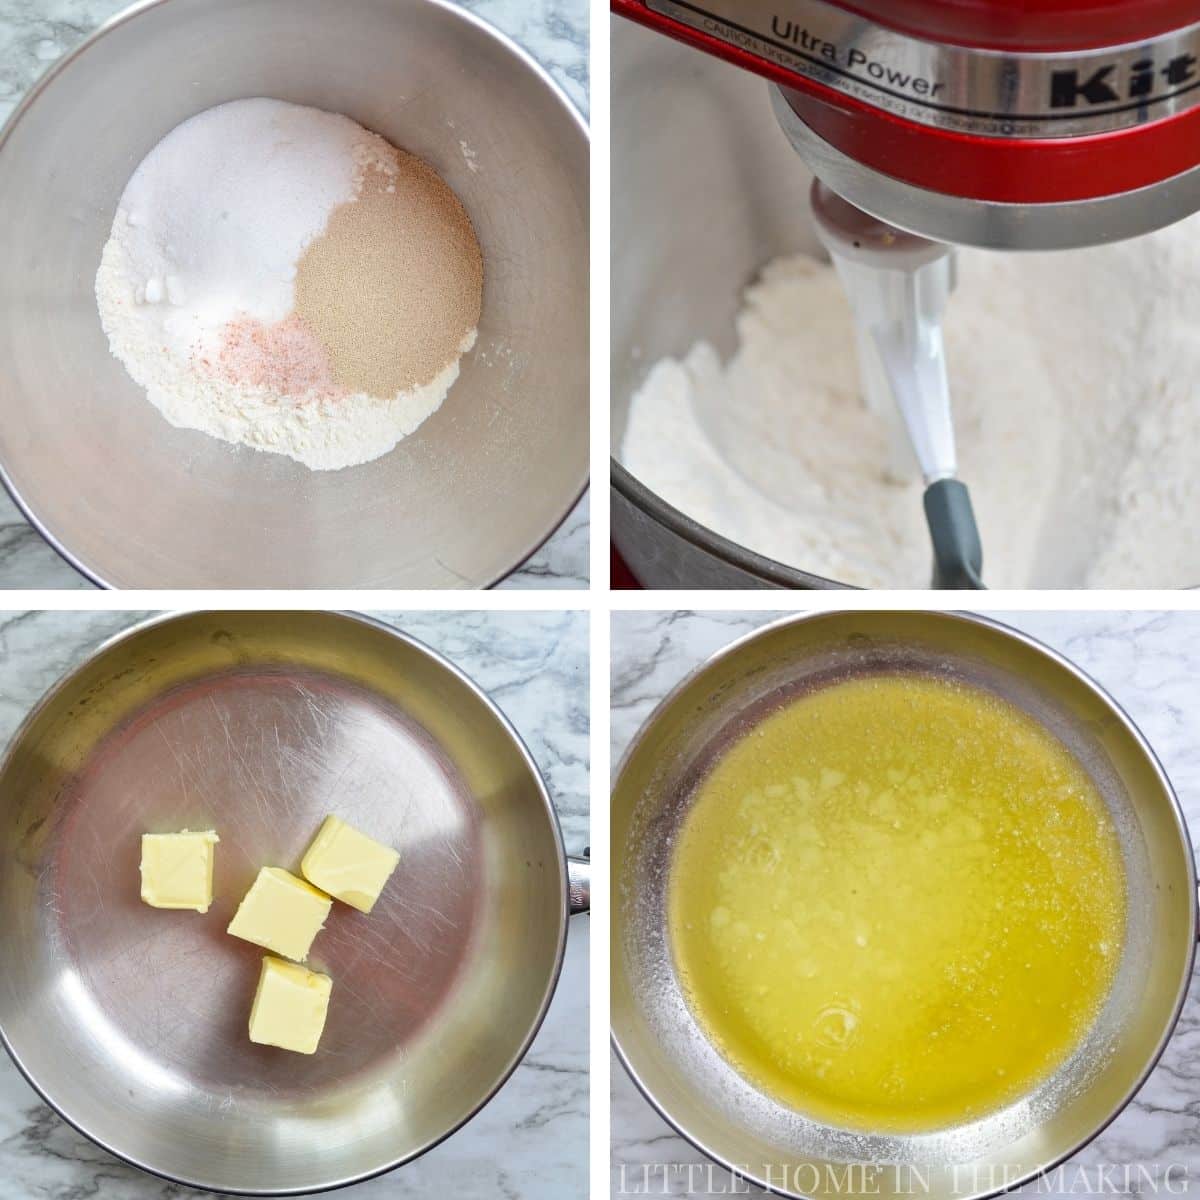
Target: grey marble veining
(36, 33)
(531, 1141)
(1150, 663)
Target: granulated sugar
(199, 286)
(1071, 375)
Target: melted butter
(896, 904)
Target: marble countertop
(34, 33)
(531, 1141)
(1149, 662)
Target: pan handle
(579, 878)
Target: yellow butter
(290, 1006)
(897, 904)
(281, 913)
(177, 869)
(348, 865)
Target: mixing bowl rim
(51, 695)
(1082, 679)
(768, 570)
(122, 17)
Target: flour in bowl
(279, 277)
(1073, 377)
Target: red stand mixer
(993, 123)
(998, 123)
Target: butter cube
(281, 913)
(290, 1006)
(348, 865)
(177, 869)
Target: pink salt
(285, 358)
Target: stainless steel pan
(131, 1021)
(133, 502)
(696, 1090)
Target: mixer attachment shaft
(898, 284)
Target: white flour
(208, 232)
(1073, 377)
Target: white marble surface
(34, 33)
(531, 1141)
(1150, 663)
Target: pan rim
(1130, 727)
(520, 1049)
(94, 575)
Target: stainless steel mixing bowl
(696, 1089)
(705, 191)
(131, 1021)
(131, 501)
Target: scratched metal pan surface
(132, 1021)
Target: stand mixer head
(991, 123)
(980, 122)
